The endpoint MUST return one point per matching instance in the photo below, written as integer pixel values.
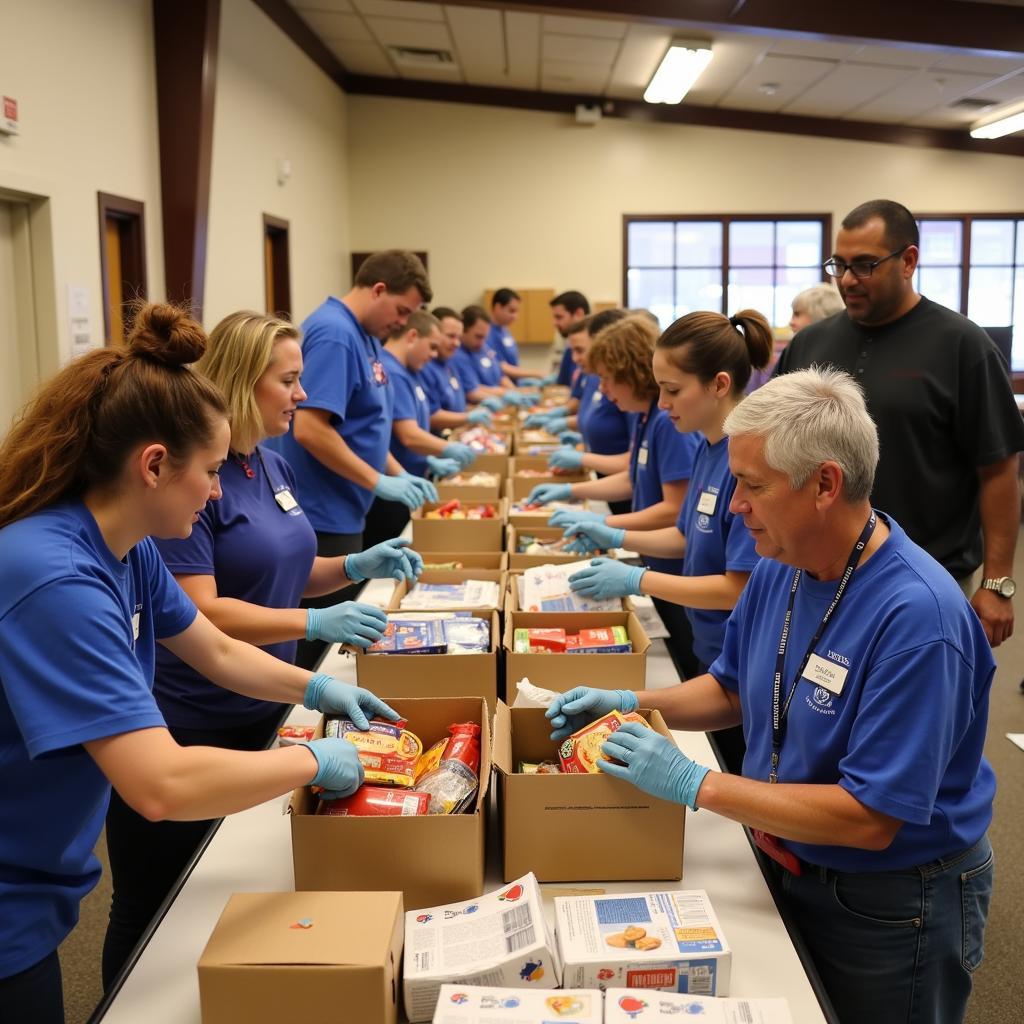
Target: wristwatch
(1002, 585)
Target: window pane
(650, 243)
(797, 243)
(991, 241)
(751, 243)
(990, 293)
(941, 285)
(1018, 317)
(651, 289)
(751, 289)
(791, 282)
(698, 289)
(699, 243)
(941, 241)
(1020, 242)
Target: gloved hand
(597, 535)
(348, 622)
(582, 704)
(565, 458)
(442, 467)
(543, 493)
(520, 398)
(536, 420)
(550, 379)
(478, 417)
(461, 453)
(338, 769)
(571, 516)
(529, 382)
(493, 403)
(333, 697)
(570, 437)
(607, 577)
(653, 763)
(557, 424)
(392, 559)
(400, 488)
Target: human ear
(152, 461)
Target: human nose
(215, 489)
(739, 505)
(299, 394)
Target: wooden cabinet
(534, 325)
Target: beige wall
(273, 103)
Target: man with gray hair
(861, 678)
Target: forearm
(255, 624)
(392, 466)
(700, 704)
(606, 464)
(326, 576)
(482, 391)
(610, 488)
(416, 439)
(327, 447)
(444, 419)
(999, 507)
(665, 543)
(654, 517)
(715, 593)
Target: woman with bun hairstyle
(250, 559)
(123, 443)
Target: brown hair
(78, 430)
(705, 343)
(623, 350)
(472, 315)
(398, 270)
(419, 321)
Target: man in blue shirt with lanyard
(861, 676)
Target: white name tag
(420, 393)
(454, 382)
(826, 674)
(135, 625)
(485, 363)
(642, 457)
(285, 500)
(509, 341)
(708, 502)
(597, 397)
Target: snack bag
(581, 752)
(376, 801)
(388, 752)
(453, 783)
(289, 735)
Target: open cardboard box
(471, 494)
(458, 534)
(513, 580)
(263, 966)
(545, 534)
(575, 828)
(469, 559)
(493, 462)
(451, 576)
(431, 859)
(520, 486)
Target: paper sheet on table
(1016, 737)
(643, 608)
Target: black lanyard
(779, 710)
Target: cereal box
(581, 752)
(387, 752)
(465, 1004)
(623, 1006)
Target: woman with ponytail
(122, 444)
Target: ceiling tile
(789, 77)
(580, 49)
(585, 26)
(918, 95)
(846, 88)
(362, 58)
(1005, 90)
(331, 25)
(638, 59)
(818, 48)
(904, 58)
(400, 9)
(733, 56)
(980, 65)
(345, 6)
(478, 39)
(564, 76)
(420, 34)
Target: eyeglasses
(859, 268)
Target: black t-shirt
(940, 395)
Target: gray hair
(810, 417)
(819, 301)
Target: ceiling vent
(972, 104)
(417, 57)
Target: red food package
(289, 735)
(547, 639)
(377, 801)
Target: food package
(453, 783)
(467, 635)
(388, 752)
(410, 636)
(471, 1004)
(467, 594)
(580, 753)
(602, 640)
(289, 735)
(473, 480)
(454, 509)
(377, 801)
(485, 441)
(538, 641)
(540, 768)
(547, 589)
(530, 696)
(624, 1006)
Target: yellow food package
(581, 752)
(388, 752)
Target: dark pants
(680, 637)
(148, 857)
(35, 995)
(309, 653)
(386, 519)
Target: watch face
(1007, 588)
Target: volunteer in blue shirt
(567, 308)
(505, 307)
(861, 676)
(479, 366)
(448, 406)
(132, 442)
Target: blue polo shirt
(906, 733)
(343, 374)
(500, 340)
(256, 552)
(565, 368)
(604, 426)
(77, 635)
(410, 403)
(659, 454)
(443, 386)
(716, 539)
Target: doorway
(276, 267)
(122, 263)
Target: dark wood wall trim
(292, 25)
(185, 34)
(133, 213)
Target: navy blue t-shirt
(500, 340)
(256, 552)
(410, 403)
(604, 426)
(77, 637)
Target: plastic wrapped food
(452, 785)
(376, 802)
(388, 752)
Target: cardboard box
(623, 1006)
(434, 675)
(543, 533)
(513, 590)
(453, 576)
(458, 534)
(470, 1004)
(562, 672)
(469, 559)
(670, 941)
(284, 956)
(571, 828)
(432, 859)
(500, 939)
(494, 462)
(471, 493)
(520, 486)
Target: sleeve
(578, 383)
(173, 609)
(331, 374)
(726, 667)
(466, 370)
(740, 555)
(989, 426)
(195, 554)
(429, 379)
(404, 399)
(675, 452)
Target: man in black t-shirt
(948, 425)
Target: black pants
(310, 652)
(680, 637)
(148, 857)
(35, 995)
(386, 519)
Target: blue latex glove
(461, 453)
(399, 488)
(551, 378)
(441, 468)
(597, 535)
(543, 493)
(607, 577)
(529, 382)
(338, 770)
(536, 420)
(476, 417)
(565, 458)
(582, 704)
(428, 492)
(570, 437)
(571, 516)
(519, 398)
(653, 763)
(390, 559)
(557, 424)
(493, 403)
(333, 697)
(349, 622)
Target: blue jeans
(896, 947)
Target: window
(677, 264)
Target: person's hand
(518, 398)
(548, 380)
(557, 424)
(338, 770)
(427, 490)
(349, 622)
(582, 704)
(544, 493)
(461, 453)
(597, 535)
(653, 763)
(996, 614)
(333, 697)
(571, 516)
(442, 467)
(390, 559)
(399, 488)
(565, 458)
(529, 382)
(570, 437)
(493, 403)
(479, 417)
(607, 577)
(536, 420)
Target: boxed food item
(600, 640)
(500, 938)
(537, 641)
(450, 588)
(578, 828)
(405, 635)
(546, 588)
(670, 941)
(470, 1004)
(377, 801)
(485, 441)
(283, 956)
(454, 508)
(623, 1006)
(430, 533)
(388, 752)
(580, 753)
(551, 540)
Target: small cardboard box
(494, 462)
(283, 956)
(543, 533)
(561, 672)
(514, 586)
(458, 534)
(627, 1005)
(520, 486)
(452, 576)
(471, 1004)
(469, 559)
(434, 675)
(574, 828)
(471, 493)
(670, 941)
(433, 859)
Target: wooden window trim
(120, 207)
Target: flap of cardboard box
(469, 559)
(402, 587)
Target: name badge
(509, 341)
(596, 397)
(285, 499)
(708, 502)
(135, 626)
(826, 674)
(420, 393)
(486, 363)
(642, 457)
(454, 382)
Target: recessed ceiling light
(1005, 125)
(681, 66)
(768, 88)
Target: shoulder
(39, 549)
(807, 344)
(328, 324)
(273, 460)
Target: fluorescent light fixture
(681, 66)
(997, 129)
